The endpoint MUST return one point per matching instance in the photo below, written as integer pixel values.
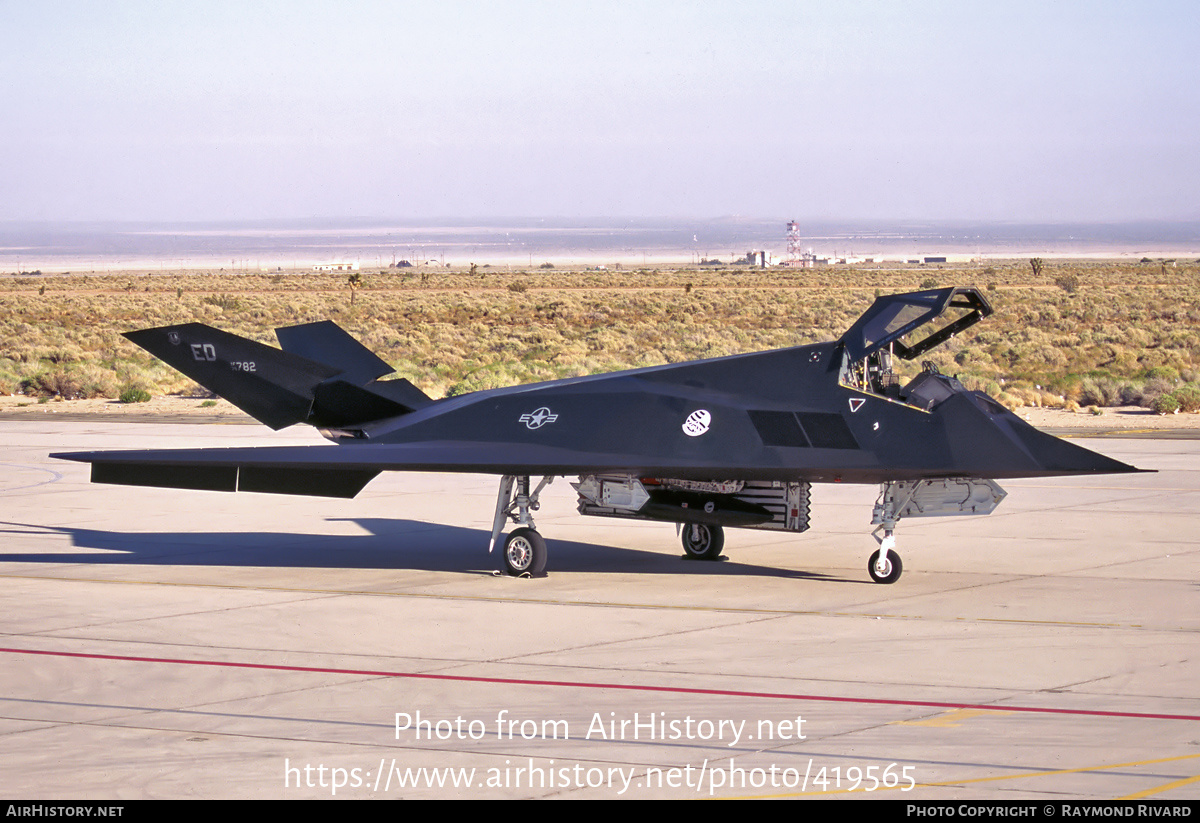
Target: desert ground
(1070, 334)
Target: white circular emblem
(697, 423)
(173, 336)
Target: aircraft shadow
(388, 544)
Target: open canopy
(895, 316)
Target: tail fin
(280, 388)
(326, 342)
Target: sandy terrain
(1122, 417)
(198, 408)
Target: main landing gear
(524, 551)
(702, 542)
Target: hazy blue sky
(233, 110)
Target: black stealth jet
(733, 441)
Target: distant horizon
(492, 221)
(531, 241)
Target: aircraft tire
(525, 552)
(895, 567)
(707, 545)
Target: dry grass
(1076, 333)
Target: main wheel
(524, 552)
(702, 542)
(891, 570)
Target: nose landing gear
(931, 497)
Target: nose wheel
(885, 567)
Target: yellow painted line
(1119, 432)
(949, 719)
(1166, 787)
(992, 779)
(1077, 623)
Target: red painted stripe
(576, 684)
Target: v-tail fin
(281, 388)
(328, 343)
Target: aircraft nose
(1058, 456)
(990, 441)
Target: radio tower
(796, 256)
(793, 244)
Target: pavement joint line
(600, 604)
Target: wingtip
(78, 457)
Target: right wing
(343, 470)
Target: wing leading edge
(344, 470)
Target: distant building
(760, 258)
(337, 267)
(933, 260)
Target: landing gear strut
(884, 565)
(524, 549)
